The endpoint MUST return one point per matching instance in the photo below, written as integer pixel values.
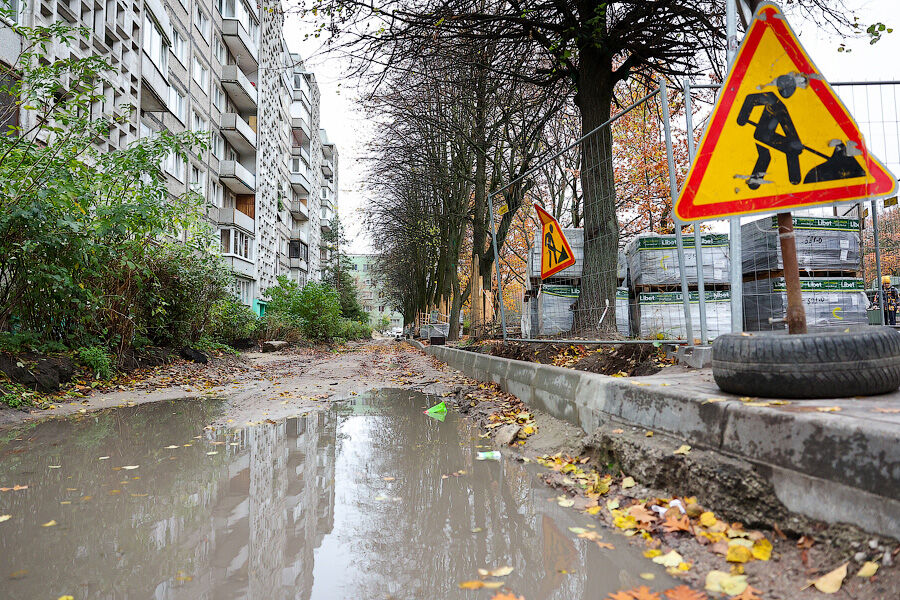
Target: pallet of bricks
(548, 310)
(654, 285)
(828, 254)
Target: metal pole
(878, 262)
(698, 239)
(734, 226)
(673, 191)
(497, 265)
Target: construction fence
(680, 284)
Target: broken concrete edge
(696, 357)
(415, 344)
(827, 469)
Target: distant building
(222, 66)
(371, 293)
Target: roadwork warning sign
(556, 254)
(779, 137)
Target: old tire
(825, 364)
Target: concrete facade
(372, 296)
(223, 67)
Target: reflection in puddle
(372, 500)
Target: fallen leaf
(612, 504)
(5, 518)
(593, 510)
(474, 584)
(618, 431)
(708, 519)
(565, 502)
(828, 408)
(831, 582)
(671, 559)
(103, 458)
(762, 549)
(173, 447)
(492, 585)
(644, 593)
(648, 434)
(653, 553)
(211, 453)
(130, 467)
(628, 482)
(506, 596)
(605, 545)
(578, 530)
(682, 449)
(719, 581)
(672, 524)
(805, 542)
(890, 411)
(500, 571)
(647, 576)
(50, 523)
(748, 594)
(683, 592)
(868, 569)
(67, 597)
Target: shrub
(354, 330)
(280, 326)
(315, 308)
(232, 323)
(98, 360)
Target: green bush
(315, 308)
(232, 322)
(280, 326)
(354, 330)
(98, 360)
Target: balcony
(327, 168)
(299, 233)
(301, 124)
(241, 44)
(236, 177)
(300, 183)
(232, 217)
(299, 211)
(240, 265)
(154, 88)
(238, 133)
(298, 263)
(239, 88)
(325, 224)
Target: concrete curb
(826, 467)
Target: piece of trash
(489, 455)
(438, 411)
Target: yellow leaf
(50, 523)
(492, 585)
(578, 530)
(683, 449)
(684, 566)
(720, 581)
(565, 502)
(649, 434)
(868, 569)
(474, 584)
(628, 482)
(612, 504)
(762, 549)
(653, 553)
(707, 519)
(593, 510)
(671, 559)
(5, 518)
(501, 571)
(647, 576)
(831, 582)
(738, 553)
(66, 597)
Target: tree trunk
(601, 228)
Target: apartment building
(223, 67)
(372, 296)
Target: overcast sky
(347, 126)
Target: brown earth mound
(622, 360)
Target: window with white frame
(218, 98)
(201, 74)
(243, 12)
(219, 50)
(179, 47)
(245, 291)
(217, 194)
(198, 180)
(218, 146)
(155, 44)
(175, 166)
(201, 21)
(198, 123)
(145, 131)
(178, 104)
(295, 165)
(237, 242)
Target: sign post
(778, 138)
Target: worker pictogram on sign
(556, 254)
(779, 137)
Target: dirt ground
(261, 386)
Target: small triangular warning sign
(556, 254)
(779, 137)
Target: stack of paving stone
(828, 254)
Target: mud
(622, 360)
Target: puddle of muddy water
(371, 500)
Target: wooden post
(796, 315)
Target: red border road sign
(550, 226)
(695, 204)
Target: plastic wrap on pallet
(621, 266)
(653, 259)
(575, 236)
(823, 244)
(660, 315)
(555, 314)
(829, 302)
(622, 324)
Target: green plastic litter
(438, 411)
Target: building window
(178, 104)
(295, 166)
(179, 47)
(297, 249)
(218, 146)
(219, 98)
(219, 50)
(237, 243)
(175, 166)
(217, 193)
(155, 45)
(202, 22)
(198, 180)
(198, 123)
(201, 74)
(245, 291)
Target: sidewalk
(833, 460)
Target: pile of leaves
(618, 361)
